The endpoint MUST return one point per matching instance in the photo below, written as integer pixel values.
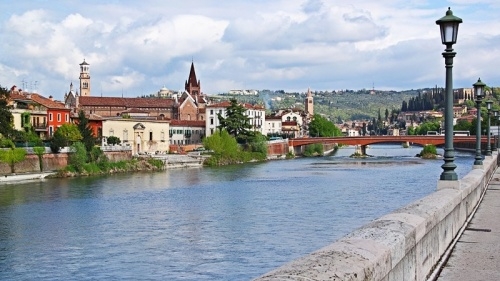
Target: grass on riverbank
(107, 167)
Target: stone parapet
(404, 245)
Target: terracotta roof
(187, 123)
(48, 103)
(126, 102)
(92, 116)
(251, 106)
(220, 104)
(268, 117)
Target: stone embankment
(190, 160)
(404, 245)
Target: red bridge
(367, 140)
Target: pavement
(476, 255)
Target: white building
(256, 115)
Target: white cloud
(292, 44)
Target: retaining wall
(54, 161)
(403, 245)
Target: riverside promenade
(476, 255)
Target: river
(226, 223)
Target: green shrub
(78, 156)
(314, 150)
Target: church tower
(84, 79)
(309, 103)
(192, 85)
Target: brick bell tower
(84, 79)
(192, 85)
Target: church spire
(192, 85)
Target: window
(51, 131)
(211, 131)
(162, 136)
(67, 117)
(150, 136)
(58, 117)
(50, 116)
(211, 121)
(125, 135)
(211, 112)
(111, 132)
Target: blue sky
(137, 47)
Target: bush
(112, 140)
(314, 150)
(428, 152)
(78, 156)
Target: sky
(134, 48)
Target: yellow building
(143, 135)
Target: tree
(12, 156)
(64, 136)
(39, 151)
(78, 156)
(69, 132)
(236, 122)
(222, 143)
(113, 140)
(83, 125)
(322, 127)
(6, 118)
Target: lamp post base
(443, 184)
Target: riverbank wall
(54, 162)
(406, 244)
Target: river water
(226, 223)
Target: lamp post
(495, 136)
(488, 138)
(449, 30)
(479, 92)
(498, 130)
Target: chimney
(51, 98)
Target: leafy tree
(69, 133)
(464, 125)
(6, 143)
(322, 127)
(83, 125)
(222, 143)
(64, 136)
(6, 118)
(39, 151)
(259, 144)
(112, 140)
(236, 122)
(12, 156)
(78, 156)
(428, 126)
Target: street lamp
(498, 130)
(479, 92)
(449, 30)
(495, 136)
(488, 138)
